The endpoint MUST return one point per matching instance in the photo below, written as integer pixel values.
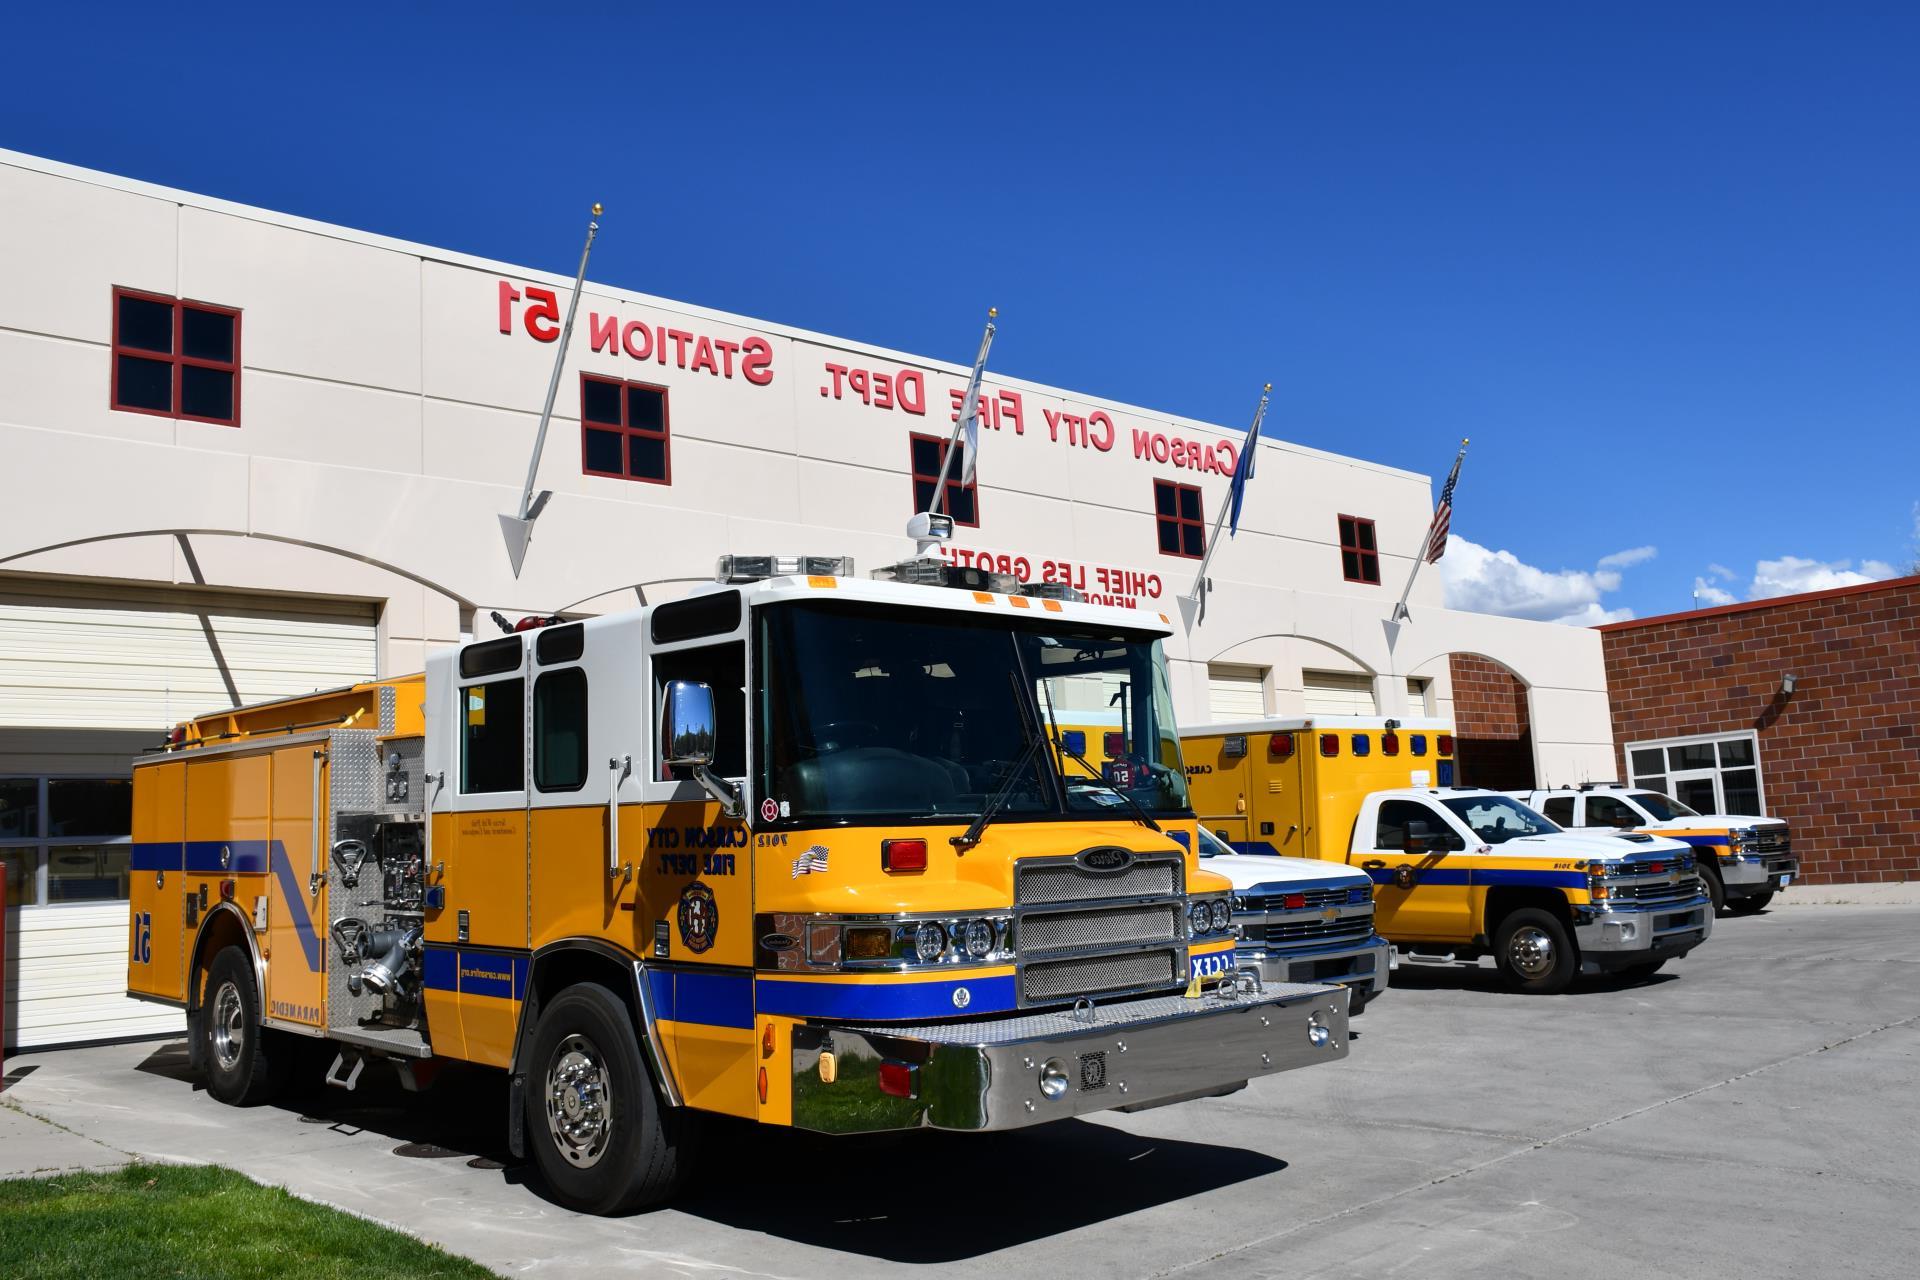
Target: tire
(1534, 953)
(1639, 972)
(1747, 906)
(1710, 881)
(244, 1066)
(595, 1124)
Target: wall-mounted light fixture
(1787, 683)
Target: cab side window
(722, 668)
(1605, 811)
(1559, 810)
(492, 736)
(1394, 817)
(560, 730)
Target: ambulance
(796, 849)
(1742, 861)
(1460, 874)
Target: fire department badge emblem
(699, 917)
(1403, 876)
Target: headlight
(979, 939)
(1199, 918)
(929, 940)
(1221, 913)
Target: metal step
(405, 1042)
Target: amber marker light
(869, 944)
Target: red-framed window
(175, 358)
(1359, 553)
(963, 500)
(624, 430)
(1176, 512)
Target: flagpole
(1400, 611)
(1199, 592)
(969, 406)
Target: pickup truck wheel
(1747, 906)
(244, 1066)
(1710, 883)
(599, 1134)
(1534, 952)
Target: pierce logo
(1104, 860)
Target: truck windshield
(1497, 819)
(869, 713)
(1663, 808)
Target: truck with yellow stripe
(1460, 874)
(799, 848)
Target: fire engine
(803, 848)
(1460, 874)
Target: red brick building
(1804, 707)
(1492, 725)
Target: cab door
(1422, 895)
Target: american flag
(813, 861)
(1443, 514)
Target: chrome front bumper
(1360, 966)
(1030, 1068)
(1613, 937)
(1743, 879)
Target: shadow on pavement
(1421, 977)
(913, 1197)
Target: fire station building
(250, 455)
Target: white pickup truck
(1303, 920)
(1743, 861)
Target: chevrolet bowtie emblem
(1331, 913)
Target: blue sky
(1661, 262)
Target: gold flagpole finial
(598, 208)
(1269, 386)
(1464, 442)
(992, 312)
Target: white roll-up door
(81, 656)
(1339, 693)
(1236, 693)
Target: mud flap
(517, 1116)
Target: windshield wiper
(971, 836)
(1099, 781)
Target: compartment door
(156, 945)
(296, 916)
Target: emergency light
(758, 568)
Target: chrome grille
(1062, 930)
(1769, 840)
(1059, 880)
(1656, 891)
(1272, 902)
(1048, 980)
(1284, 932)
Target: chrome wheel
(579, 1101)
(1530, 952)
(229, 1026)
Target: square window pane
(492, 749)
(1649, 760)
(1652, 782)
(600, 402)
(1695, 755)
(646, 409)
(1165, 501)
(1365, 529)
(89, 807)
(1736, 752)
(1696, 794)
(19, 808)
(923, 495)
(1169, 537)
(1741, 787)
(146, 325)
(206, 335)
(88, 873)
(647, 457)
(1192, 539)
(560, 730)
(144, 384)
(206, 393)
(23, 886)
(960, 505)
(926, 457)
(1189, 503)
(603, 451)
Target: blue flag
(1243, 465)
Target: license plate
(1785, 881)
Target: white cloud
(1484, 581)
(1629, 558)
(1707, 594)
(1721, 571)
(1790, 575)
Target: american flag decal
(813, 861)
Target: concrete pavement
(1747, 1113)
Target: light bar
(757, 568)
(1052, 591)
(929, 571)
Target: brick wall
(1491, 723)
(1840, 759)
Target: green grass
(150, 1221)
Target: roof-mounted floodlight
(928, 529)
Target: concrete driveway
(1751, 1113)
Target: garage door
(1338, 693)
(78, 656)
(1236, 693)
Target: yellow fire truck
(1460, 873)
(798, 848)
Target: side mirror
(686, 725)
(1422, 838)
